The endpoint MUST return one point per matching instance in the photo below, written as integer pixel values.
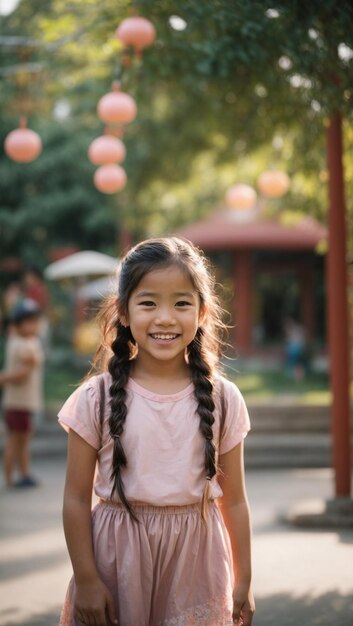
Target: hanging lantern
(23, 144)
(106, 149)
(137, 32)
(110, 178)
(273, 184)
(117, 107)
(241, 197)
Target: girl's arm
(19, 375)
(92, 597)
(235, 511)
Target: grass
(269, 385)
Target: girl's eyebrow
(143, 294)
(187, 294)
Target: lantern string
(118, 109)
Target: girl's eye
(183, 303)
(146, 303)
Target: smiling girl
(168, 543)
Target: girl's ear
(124, 320)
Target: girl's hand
(93, 601)
(243, 606)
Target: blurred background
(244, 114)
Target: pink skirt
(171, 569)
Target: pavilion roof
(223, 230)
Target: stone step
(288, 407)
(290, 419)
(287, 450)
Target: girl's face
(164, 314)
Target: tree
(229, 83)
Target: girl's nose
(165, 316)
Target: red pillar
(242, 301)
(337, 302)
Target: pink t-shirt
(162, 440)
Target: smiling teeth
(155, 336)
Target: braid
(201, 374)
(119, 368)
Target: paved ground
(301, 577)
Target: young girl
(168, 543)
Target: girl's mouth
(164, 337)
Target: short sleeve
(236, 423)
(80, 413)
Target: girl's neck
(161, 376)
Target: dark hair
(24, 310)
(118, 347)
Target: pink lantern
(117, 107)
(241, 197)
(23, 145)
(273, 184)
(106, 149)
(137, 32)
(110, 178)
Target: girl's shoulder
(226, 389)
(95, 382)
(96, 388)
(83, 411)
(234, 420)
(88, 392)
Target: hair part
(118, 347)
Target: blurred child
(23, 394)
(295, 349)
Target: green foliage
(52, 201)
(211, 99)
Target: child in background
(295, 349)
(23, 395)
(34, 287)
(169, 541)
